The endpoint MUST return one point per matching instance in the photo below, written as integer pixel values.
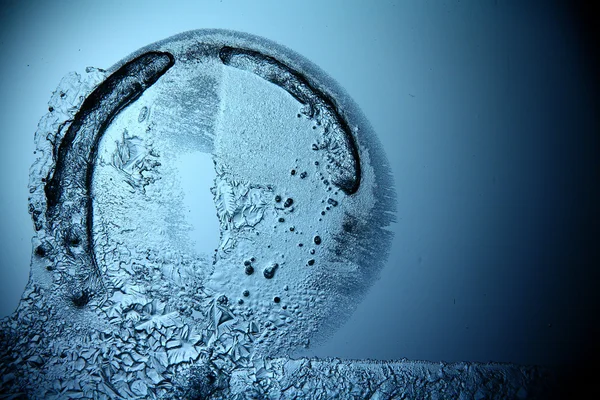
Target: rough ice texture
(120, 305)
(337, 140)
(68, 187)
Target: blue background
(488, 111)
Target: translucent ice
(123, 300)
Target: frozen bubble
(269, 272)
(199, 142)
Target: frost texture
(135, 162)
(240, 206)
(119, 305)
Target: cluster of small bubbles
(223, 300)
(288, 202)
(303, 175)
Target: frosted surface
(127, 297)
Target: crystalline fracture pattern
(120, 304)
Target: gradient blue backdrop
(486, 110)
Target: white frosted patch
(259, 136)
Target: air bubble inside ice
(197, 177)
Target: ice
(210, 140)
(197, 178)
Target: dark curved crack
(340, 144)
(68, 187)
